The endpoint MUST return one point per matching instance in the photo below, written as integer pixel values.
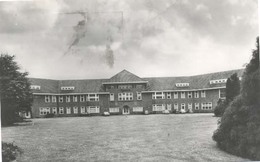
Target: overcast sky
(99, 38)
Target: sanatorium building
(126, 93)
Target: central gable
(125, 76)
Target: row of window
(204, 106)
(68, 110)
(125, 86)
(74, 98)
(116, 109)
(161, 95)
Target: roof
(125, 76)
(154, 83)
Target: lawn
(182, 137)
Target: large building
(126, 93)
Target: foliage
(10, 152)
(239, 128)
(220, 108)
(50, 115)
(14, 90)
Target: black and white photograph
(129, 80)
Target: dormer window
(218, 81)
(37, 87)
(182, 84)
(67, 88)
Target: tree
(232, 90)
(239, 128)
(15, 91)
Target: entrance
(126, 110)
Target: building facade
(126, 93)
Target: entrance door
(126, 110)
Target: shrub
(50, 115)
(10, 152)
(220, 108)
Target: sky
(87, 39)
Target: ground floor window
(68, 110)
(197, 106)
(82, 110)
(176, 106)
(75, 110)
(190, 106)
(206, 106)
(183, 106)
(61, 110)
(44, 110)
(114, 109)
(54, 110)
(93, 109)
(137, 109)
(158, 107)
(169, 106)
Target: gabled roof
(125, 77)
(46, 85)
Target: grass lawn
(182, 137)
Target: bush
(50, 115)
(220, 108)
(10, 152)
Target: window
(61, 110)
(222, 93)
(112, 97)
(206, 106)
(75, 110)
(158, 107)
(125, 86)
(197, 106)
(139, 95)
(54, 110)
(60, 98)
(182, 94)
(67, 88)
(82, 98)
(67, 98)
(190, 106)
(169, 106)
(182, 84)
(47, 99)
(44, 110)
(183, 106)
(53, 98)
(169, 95)
(176, 106)
(75, 99)
(139, 86)
(203, 94)
(189, 94)
(93, 97)
(125, 96)
(82, 110)
(114, 109)
(137, 109)
(37, 87)
(158, 95)
(68, 110)
(93, 109)
(196, 94)
(175, 96)
(218, 81)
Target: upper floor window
(60, 98)
(67, 98)
(112, 97)
(67, 88)
(53, 98)
(75, 98)
(139, 95)
(175, 95)
(182, 94)
(196, 94)
(37, 87)
(125, 96)
(169, 95)
(127, 86)
(189, 94)
(203, 94)
(93, 97)
(82, 98)
(47, 98)
(158, 95)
